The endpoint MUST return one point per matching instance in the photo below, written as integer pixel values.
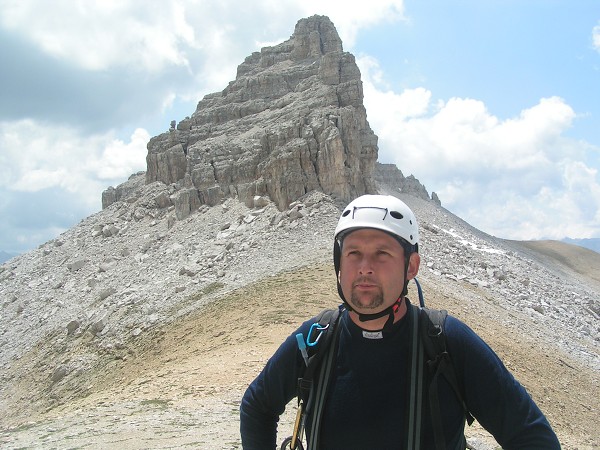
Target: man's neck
(378, 324)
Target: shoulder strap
(438, 362)
(326, 319)
(317, 401)
(312, 385)
(416, 379)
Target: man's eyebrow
(346, 245)
(378, 246)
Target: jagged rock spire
(291, 122)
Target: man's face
(371, 270)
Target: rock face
(389, 175)
(292, 121)
(123, 191)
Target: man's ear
(413, 265)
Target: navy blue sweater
(367, 401)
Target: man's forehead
(364, 236)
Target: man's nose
(365, 266)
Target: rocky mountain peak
(313, 38)
(292, 122)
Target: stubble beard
(374, 301)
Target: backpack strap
(312, 385)
(438, 362)
(415, 398)
(317, 403)
(327, 320)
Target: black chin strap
(390, 311)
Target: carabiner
(320, 329)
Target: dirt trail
(180, 386)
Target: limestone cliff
(291, 122)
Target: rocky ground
(134, 331)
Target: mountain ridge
(136, 286)
(582, 260)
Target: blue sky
(494, 105)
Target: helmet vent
(345, 213)
(396, 215)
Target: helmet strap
(390, 311)
(406, 263)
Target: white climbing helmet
(382, 212)
(385, 213)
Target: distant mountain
(580, 259)
(5, 256)
(592, 243)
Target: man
(368, 399)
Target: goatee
(375, 300)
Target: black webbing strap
(413, 436)
(312, 391)
(328, 318)
(327, 366)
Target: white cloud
(518, 178)
(410, 103)
(120, 159)
(596, 37)
(53, 176)
(162, 42)
(98, 35)
(36, 157)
